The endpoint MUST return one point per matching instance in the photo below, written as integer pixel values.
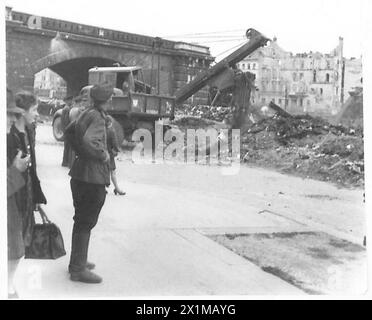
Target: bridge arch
(70, 54)
(73, 66)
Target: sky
(300, 26)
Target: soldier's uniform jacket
(88, 138)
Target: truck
(136, 108)
(134, 105)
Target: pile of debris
(351, 113)
(303, 145)
(306, 146)
(216, 113)
(191, 122)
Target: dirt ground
(313, 261)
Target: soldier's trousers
(88, 201)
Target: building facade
(302, 83)
(48, 84)
(353, 75)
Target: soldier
(90, 175)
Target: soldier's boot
(85, 276)
(78, 262)
(89, 266)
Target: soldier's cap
(10, 104)
(101, 92)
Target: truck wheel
(119, 132)
(57, 128)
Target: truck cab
(117, 76)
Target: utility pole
(152, 64)
(343, 81)
(158, 43)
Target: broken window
(314, 76)
(321, 90)
(327, 77)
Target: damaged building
(303, 83)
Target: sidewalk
(149, 243)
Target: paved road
(152, 241)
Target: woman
(113, 149)
(15, 182)
(21, 141)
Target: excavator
(224, 77)
(134, 106)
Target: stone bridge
(70, 49)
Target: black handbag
(46, 241)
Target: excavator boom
(256, 40)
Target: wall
(353, 75)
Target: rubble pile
(191, 122)
(216, 113)
(351, 113)
(303, 145)
(306, 146)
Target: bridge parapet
(45, 23)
